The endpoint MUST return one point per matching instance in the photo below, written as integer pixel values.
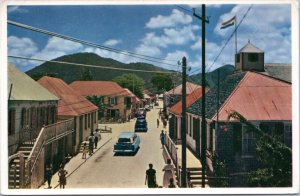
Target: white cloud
(148, 50)
(176, 17)
(170, 36)
(12, 9)
(21, 47)
(107, 54)
(266, 26)
(112, 42)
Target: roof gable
(25, 88)
(250, 48)
(71, 103)
(100, 88)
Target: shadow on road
(127, 154)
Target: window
(248, 143)
(85, 121)
(288, 135)
(238, 58)
(191, 125)
(237, 138)
(89, 120)
(23, 118)
(195, 128)
(95, 116)
(11, 121)
(113, 101)
(252, 57)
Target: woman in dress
(169, 173)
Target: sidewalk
(76, 162)
(191, 160)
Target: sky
(162, 31)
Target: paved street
(104, 170)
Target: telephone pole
(183, 124)
(203, 120)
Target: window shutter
(116, 100)
(23, 117)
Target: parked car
(128, 142)
(140, 124)
(141, 113)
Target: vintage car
(140, 124)
(128, 142)
(142, 112)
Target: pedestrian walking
(48, 175)
(162, 138)
(62, 177)
(97, 137)
(165, 123)
(169, 173)
(157, 123)
(91, 144)
(84, 150)
(151, 177)
(171, 183)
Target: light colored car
(128, 142)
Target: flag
(228, 23)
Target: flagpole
(235, 29)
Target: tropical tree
(275, 158)
(162, 81)
(86, 75)
(131, 81)
(98, 101)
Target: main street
(105, 170)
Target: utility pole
(203, 120)
(183, 124)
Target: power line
(89, 65)
(184, 9)
(227, 41)
(123, 52)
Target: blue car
(141, 125)
(128, 142)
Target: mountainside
(70, 73)
(212, 77)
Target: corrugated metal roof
(71, 103)
(250, 48)
(259, 97)
(226, 88)
(100, 88)
(280, 71)
(25, 88)
(190, 99)
(178, 89)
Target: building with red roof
(263, 100)
(174, 95)
(73, 105)
(176, 114)
(116, 100)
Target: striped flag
(228, 23)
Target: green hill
(70, 73)
(212, 77)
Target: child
(84, 150)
